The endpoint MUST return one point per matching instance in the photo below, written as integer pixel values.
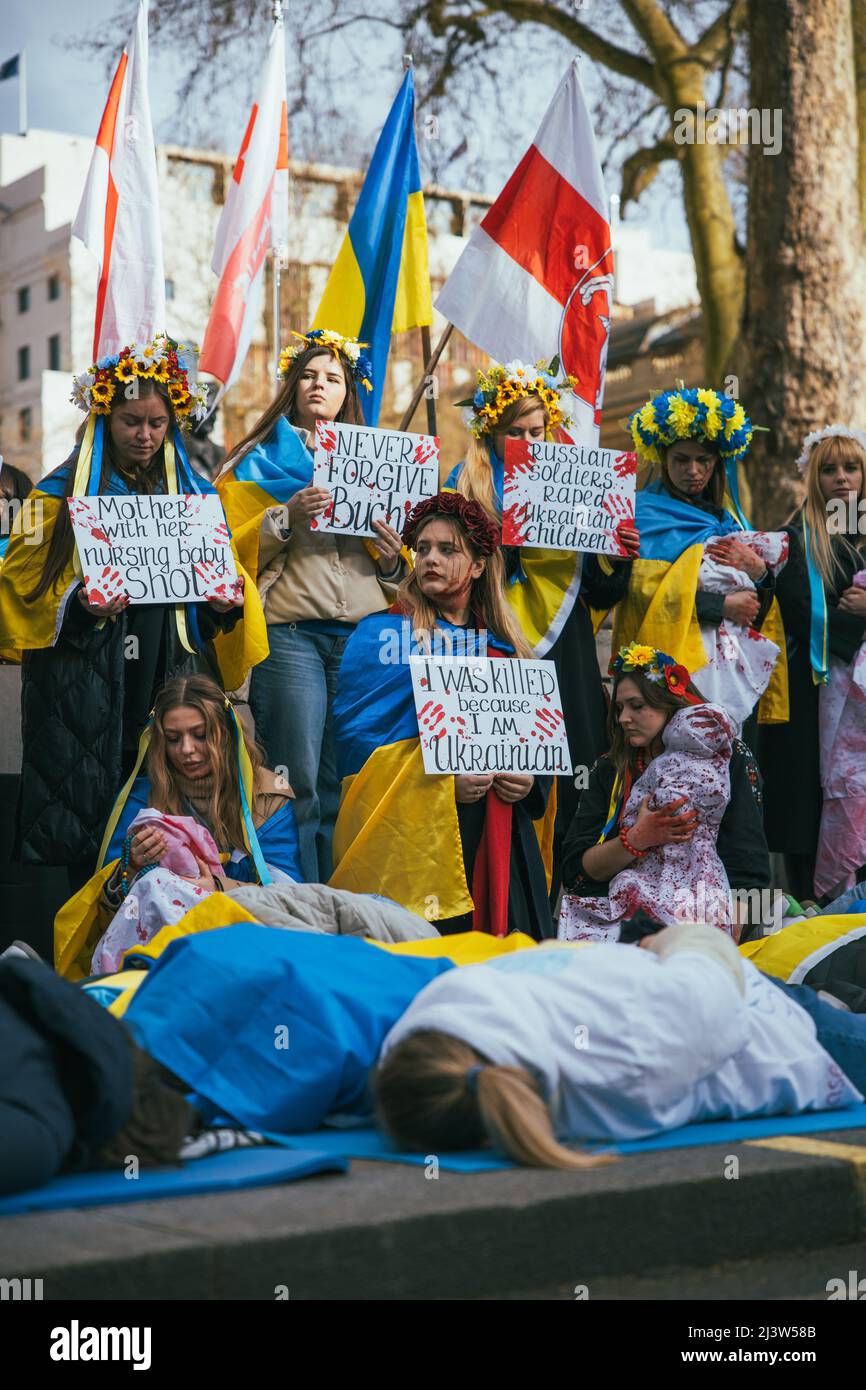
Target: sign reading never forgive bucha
(489, 715)
(155, 547)
(372, 475)
(567, 496)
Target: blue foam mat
(369, 1143)
(225, 1172)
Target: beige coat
(305, 575)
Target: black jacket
(84, 702)
(740, 844)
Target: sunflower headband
(691, 413)
(656, 666)
(501, 386)
(348, 348)
(172, 364)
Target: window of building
(54, 353)
(23, 363)
(54, 287)
(25, 424)
(23, 299)
(169, 289)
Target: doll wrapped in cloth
(683, 881)
(741, 660)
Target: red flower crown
(481, 533)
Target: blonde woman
(196, 762)
(315, 586)
(460, 850)
(575, 1042)
(551, 591)
(825, 621)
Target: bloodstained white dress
(684, 882)
(741, 660)
(842, 731)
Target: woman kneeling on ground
(206, 792)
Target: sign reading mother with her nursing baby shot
(156, 548)
(372, 475)
(484, 715)
(567, 496)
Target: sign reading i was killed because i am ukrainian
(372, 475)
(157, 548)
(567, 496)
(487, 715)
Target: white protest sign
(158, 548)
(372, 475)
(489, 715)
(567, 496)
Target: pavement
(667, 1225)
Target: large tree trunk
(803, 361)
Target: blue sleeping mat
(369, 1143)
(225, 1172)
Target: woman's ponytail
(432, 1095)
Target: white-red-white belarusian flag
(118, 217)
(536, 277)
(255, 217)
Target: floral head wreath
(657, 666)
(690, 413)
(829, 432)
(349, 348)
(483, 535)
(501, 386)
(173, 364)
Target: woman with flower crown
(553, 592)
(315, 586)
(700, 589)
(823, 602)
(90, 670)
(616, 831)
(462, 851)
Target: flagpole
(277, 251)
(408, 61)
(22, 93)
(428, 373)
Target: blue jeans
(841, 1034)
(292, 698)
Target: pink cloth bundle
(186, 838)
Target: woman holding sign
(91, 666)
(462, 849)
(523, 402)
(315, 586)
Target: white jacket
(626, 1043)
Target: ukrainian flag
(380, 282)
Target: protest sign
(372, 475)
(567, 496)
(155, 547)
(482, 715)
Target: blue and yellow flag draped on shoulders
(659, 607)
(544, 587)
(26, 626)
(397, 831)
(267, 476)
(380, 282)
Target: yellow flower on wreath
(637, 654)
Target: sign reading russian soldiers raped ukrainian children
(155, 548)
(372, 475)
(567, 496)
(489, 716)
